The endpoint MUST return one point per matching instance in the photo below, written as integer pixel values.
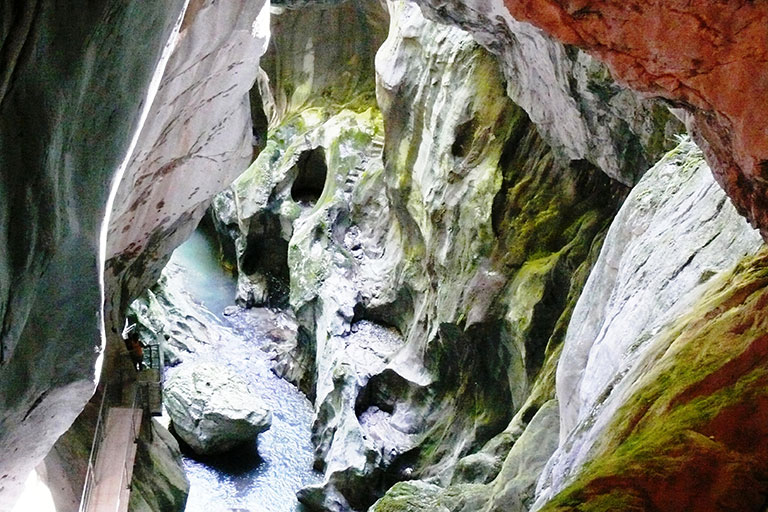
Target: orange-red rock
(710, 56)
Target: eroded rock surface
(676, 231)
(465, 232)
(197, 139)
(571, 97)
(692, 433)
(432, 221)
(212, 409)
(72, 83)
(709, 57)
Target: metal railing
(98, 438)
(152, 354)
(140, 399)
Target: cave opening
(259, 119)
(311, 173)
(465, 134)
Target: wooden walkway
(114, 464)
(107, 485)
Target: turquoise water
(263, 477)
(204, 278)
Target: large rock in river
(212, 408)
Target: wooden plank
(114, 465)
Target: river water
(266, 476)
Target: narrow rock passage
(265, 478)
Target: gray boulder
(212, 409)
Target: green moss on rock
(695, 434)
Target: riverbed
(266, 476)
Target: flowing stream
(266, 476)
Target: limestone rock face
(212, 409)
(71, 89)
(458, 228)
(696, 413)
(676, 231)
(570, 96)
(411, 497)
(197, 139)
(719, 74)
(483, 301)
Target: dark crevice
(36, 404)
(395, 314)
(266, 253)
(311, 172)
(259, 120)
(462, 143)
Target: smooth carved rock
(710, 57)
(674, 233)
(212, 408)
(394, 240)
(72, 81)
(570, 96)
(197, 139)
(692, 432)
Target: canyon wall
(198, 138)
(72, 88)
(433, 199)
(433, 238)
(704, 57)
(438, 280)
(663, 318)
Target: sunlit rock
(212, 409)
(676, 231)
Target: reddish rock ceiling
(710, 56)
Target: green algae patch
(418, 496)
(409, 497)
(694, 435)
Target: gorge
(479, 255)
